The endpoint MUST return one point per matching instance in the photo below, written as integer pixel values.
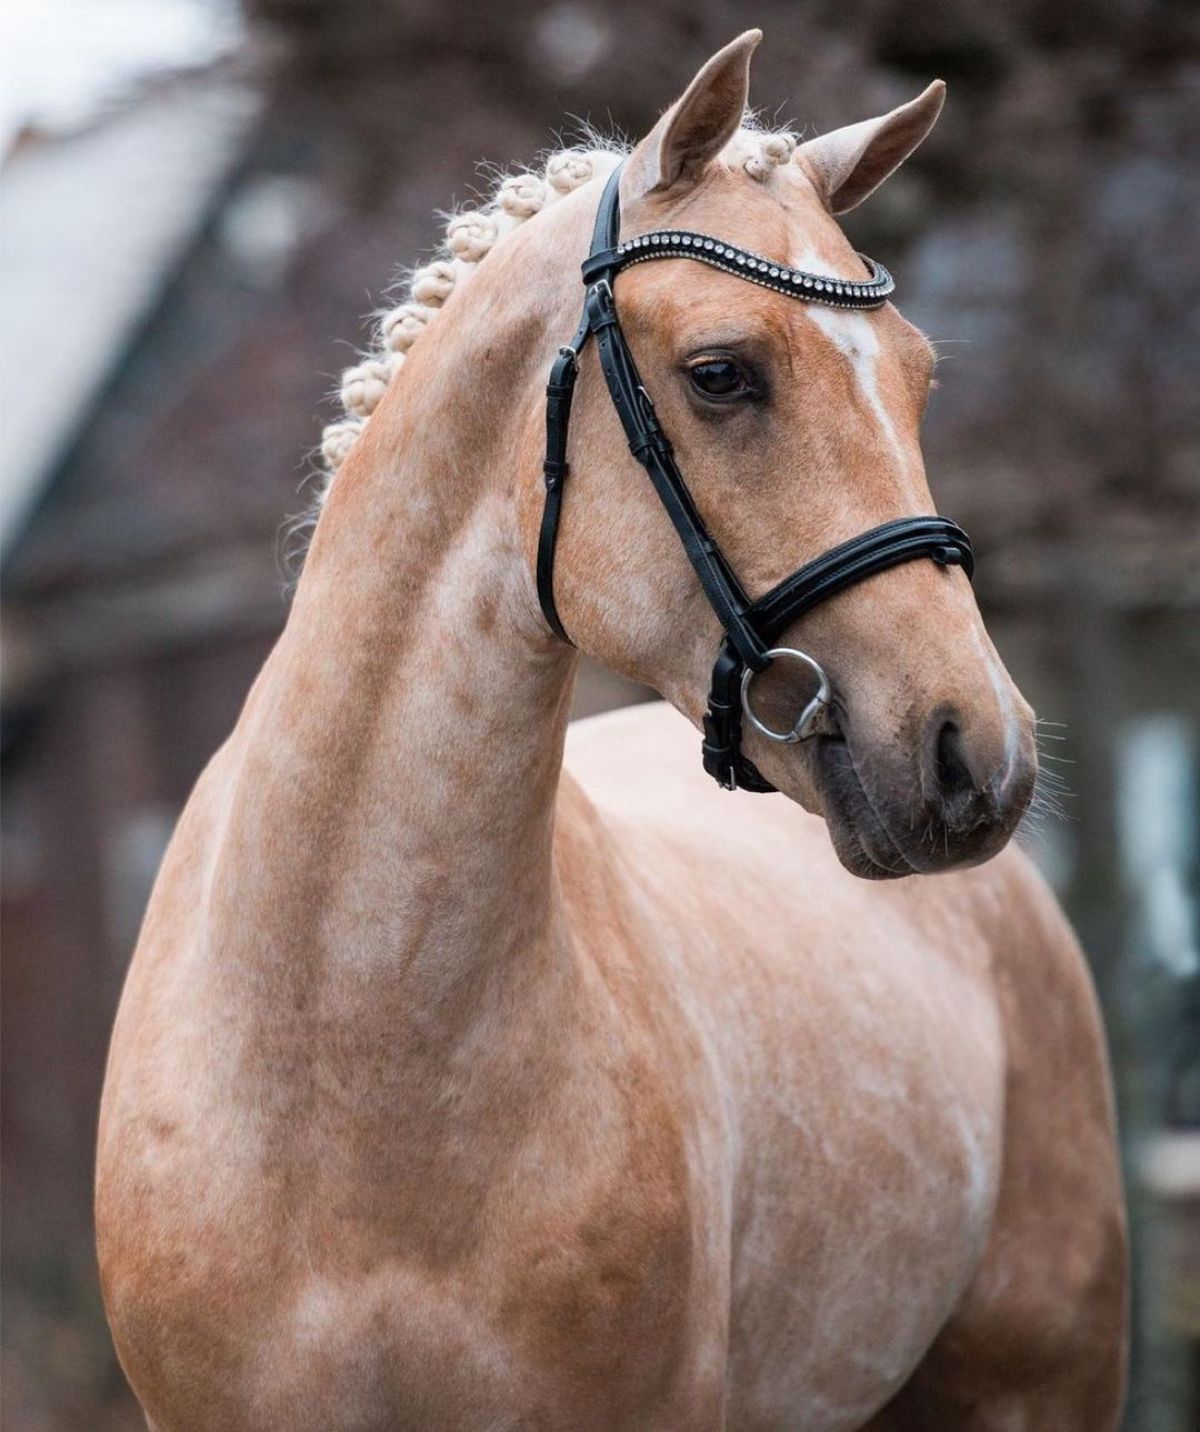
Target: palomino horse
(454, 1090)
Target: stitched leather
(885, 546)
(721, 748)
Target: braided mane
(470, 236)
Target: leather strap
(650, 445)
(559, 392)
(647, 442)
(721, 748)
(743, 263)
(861, 557)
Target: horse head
(797, 426)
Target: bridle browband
(751, 627)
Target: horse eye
(719, 378)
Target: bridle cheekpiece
(751, 627)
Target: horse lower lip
(849, 803)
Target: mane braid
(514, 199)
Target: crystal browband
(816, 288)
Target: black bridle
(750, 627)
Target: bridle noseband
(750, 626)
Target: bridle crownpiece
(751, 627)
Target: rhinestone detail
(812, 288)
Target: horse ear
(848, 164)
(697, 127)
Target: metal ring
(806, 723)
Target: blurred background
(200, 202)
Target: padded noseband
(750, 627)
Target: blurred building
(185, 274)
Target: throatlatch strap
(559, 392)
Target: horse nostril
(954, 782)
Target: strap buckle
(600, 305)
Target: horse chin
(861, 837)
(852, 850)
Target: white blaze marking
(1003, 691)
(853, 335)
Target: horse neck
(390, 834)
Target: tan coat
(453, 1090)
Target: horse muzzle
(933, 805)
